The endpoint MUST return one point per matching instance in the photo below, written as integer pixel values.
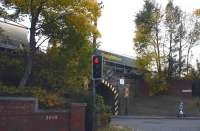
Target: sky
(117, 27)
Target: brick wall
(22, 114)
(177, 87)
(181, 88)
(143, 88)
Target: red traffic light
(96, 60)
(97, 67)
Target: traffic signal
(97, 67)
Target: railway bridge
(120, 83)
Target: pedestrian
(181, 110)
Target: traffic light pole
(94, 106)
(94, 87)
(94, 80)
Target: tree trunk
(187, 60)
(32, 44)
(170, 58)
(29, 60)
(180, 58)
(94, 38)
(158, 52)
(30, 53)
(27, 71)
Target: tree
(148, 45)
(192, 40)
(173, 23)
(147, 35)
(194, 74)
(180, 38)
(39, 12)
(163, 42)
(64, 66)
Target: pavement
(157, 123)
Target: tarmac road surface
(149, 124)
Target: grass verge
(115, 128)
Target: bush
(157, 83)
(103, 111)
(46, 98)
(75, 94)
(11, 68)
(50, 70)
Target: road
(158, 124)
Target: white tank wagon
(13, 36)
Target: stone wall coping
(19, 98)
(34, 99)
(52, 111)
(79, 104)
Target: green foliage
(101, 107)
(48, 72)
(76, 95)
(46, 98)
(193, 74)
(53, 70)
(164, 50)
(147, 38)
(63, 68)
(148, 46)
(144, 23)
(103, 111)
(143, 63)
(68, 21)
(174, 22)
(157, 83)
(11, 67)
(172, 17)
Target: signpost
(121, 81)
